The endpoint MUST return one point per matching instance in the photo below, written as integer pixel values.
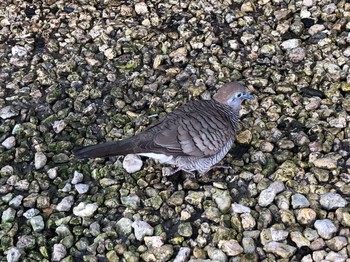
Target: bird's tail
(113, 148)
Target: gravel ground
(79, 73)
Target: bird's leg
(185, 170)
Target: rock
(77, 178)
(37, 223)
(8, 215)
(306, 216)
(326, 163)
(222, 199)
(13, 254)
(278, 234)
(65, 204)
(85, 209)
(9, 142)
(317, 244)
(132, 201)
(132, 163)
(8, 112)
(248, 221)
(124, 226)
(325, 228)
(239, 209)
(40, 160)
(216, 254)
(59, 126)
(298, 238)
(296, 55)
(59, 252)
(16, 201)
(244, 137)
(142, 229)
(141, 8)
(268, 195)
(280, 249)
(290, 44)
(177, 198)
(338, 257)
(339, 122)
(337, 243)
(230, 247)
(183, 254)
(153, 241)
(248, 245)
(32, 212)
(185, 229)
(331, 201)
(82, 188)
(299, 201)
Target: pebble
(325, 228)
(59, 252)
(85, 209)
(331, 201)
(132, 163)
(40, 160)
(278, 234)
(8, 112)
(141, 8)
(326, 163)
(52, 173)
(124, 226)
(216, 254)
(13, 254)
(142, 229)
(37, 223)
(290, 44)
(9, 142)
(299, 201)
(82, 188)
(185, 229)
(8, 215)
(280, 249)
(32, 212)
(16, 201)
(268, 195)
(298, 238)
(248, 221)
(59, 126)
(230, 247)
(222, 199)
(153, 241)
(239, 209)
(337, 243)
(77, 178)
(18, 50)
(65, 204)
(296, 55)
(183, 254)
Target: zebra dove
(194, 136)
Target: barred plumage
(195, 136)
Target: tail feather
(113, 148)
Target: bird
(193, 137)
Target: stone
(326, 163)
(306, 216)
(185, 229)
(230, 247)
(141, 8)
(325, 228)
(8, 215)
(82, 188)
(280, 249)
(85, 209)
(132, 163)
(65, 204)
(331, 201)
(239, 209)
(9, 142)
(40, 160)
(222, 199)
(337, 243)
(290, 44)
(298, 238)
(77, 178)
(268, 195)
(37, 223)
(299, 201)
(59, 252)
(13, 254)
(8, 112)
(142, 229)
(124, 226)
(183, 255)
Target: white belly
(161, 157)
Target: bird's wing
(197, 129)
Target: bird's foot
(219, 166)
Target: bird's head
(232, 94)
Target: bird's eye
(239, 95)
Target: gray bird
(194, 136)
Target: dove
(194, 137)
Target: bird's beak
(248, 96)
